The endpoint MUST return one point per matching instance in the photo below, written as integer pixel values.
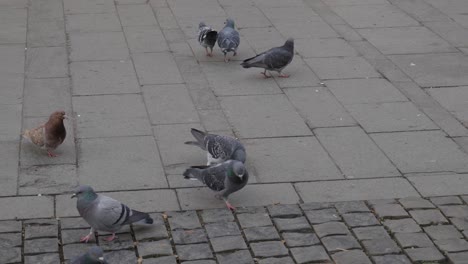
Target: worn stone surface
(352, 256)
(309, 254)
(269, 249)
(261, 233)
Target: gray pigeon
(224, 178)
(228, 39)
(94, 255)
(103, 213)
(275, 59)
(219, 148)
(207, 37)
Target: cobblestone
(390, 211)
(189, 236)
(332, 228)
(217, 215)
(416, 203)
(227, 243)
(194, 252)
(410, 240)
(442, 232)
(336, 243)
(370, 232)
(391, 259)
(402, 226)
(360, 219)
(447, 200)
(381, 246)
(350, 257)
(222, 229)
(261, 233)
(269, 249)
(292, 224)
(284, 210)
(424, 254)
(300, 239)
(310, 254)
(254, 220)
(322, 216)
(238, 257)
(428, 217)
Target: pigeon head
(84, 192)
(229, 23)
(95, 254)
(238, 168)
(289, 44)
(239, 155)
(58, 115)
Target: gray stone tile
(10, 226)
(156, 68)
(9, 173)
(145, 39)
(338, 243)
(370, 233)
(189, 236)
(73, 235)
(251, 195)
(217, 215)
(458, 257)
(424, 254)
(183, 220)
(125, 256)
(388, 117)
(428, 217)
(352, 207)
(283, 260)
(161, 260)
(292, 224)
(48, 258)
(10, 255)
(254, 220)
(360, 219)
(41, 245)
(175, 155)
(416, 203)
(306, 30)
(430, 70)
(284, 210)
(193, 252)
(421, 151)
(11, 88)
(136, 15)
(383, 15)
(247, 16)
(346, 190)
(32, 155)
(46, 33)
(155, 248)
(214, 120)
(452, 245)
(93, 23)
(440, 232)
(330, 228)
(45, 10)
(300, 239)
(352, 256)
(355, 153)
(342, 68)
(365, 91)
(329, 47)
(449, 30)
(274, 163)
(407, 225)
(301, 75)
(404, 40)
(72, 223)
(13, 25)
(14, 54)
(411, 240)
(273, 115)
(215, 230)
(156, 231)
(262, 233)
(14, 3)
(291, 12)
(166, 19)
(11, 118)
(262, 39)
(145, 168)
(455, 211)
(269, 249)
(168, 104)
(230, 79)
(54, 91)
(88, 6)
(319, 107)
(381, 246)
(47, 179)
(45, 62)
(11, 240)
(103, 77)
(421, 10)
(98, 46)
(452, 98)
(111, 115)
(228, 243)
(308, 254)
(354, 2)
(237, 257)
(390, 211)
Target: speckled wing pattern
(36, 136)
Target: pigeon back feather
(228, 37)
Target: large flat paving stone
(93, 22)
(290, 159)
(14, 55)
(388, 117)
(330, 47)
(46, 62)
(44, 96)
(88, 6)
(144, 201)
(342, 68)
(13, 25)
(355, 153)
(273, 116)
(111, 115)
(230, 79)
(251, 195)
(247, 16)
(145, 39)
(156, 68)
(364, 91)
(43, 10)
(429, 70)
(306, 29)
(438, 185)
(9, 164)
(300, 75)
(11, 122)
(404, 40)
(98, 46)
(422, 151)
(453, 99)
(26, 207)
(50, 179)
(104, 164)
(45, 33)
(169, 104)
(136, 15)
(103, 77)
(319, 107)
(291, 12)
(11, 88)
(347, 190)
(262, 39)
(383, 15)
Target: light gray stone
(46, 33)
(98, 46)
(14, 54)
(26, 207)
(236, 257)
(355, 153)
(50, 179)
(342, 68)
(136, 15)
(302, 75)
(93, 23)
(54, 91)
(428, 217)
(155, 248)
(145, 39)
(9, 171)
(88, 6)
(193, 252)
(156, 68)
(13, 25)
(308, 254)
(329, 47)
(45, 62)
(407, 225)
(228, 243)
(269, 249)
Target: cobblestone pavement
(375, 109)
(410, 230)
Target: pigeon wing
(214, 177)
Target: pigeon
(275, 59)
(94, 255)
(49, 135)
(224, 178)
(219, 148)
(103, 213)
(228, 39)
(207, 37)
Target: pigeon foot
(109, 239)
(283, 76)
(265, 75)
(229, 206)
(86, 238)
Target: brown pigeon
(49, 135)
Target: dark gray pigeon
(275, 59)
(228, 39)
(94, 255)
(224, 178)
(103, 213)
(207, 37)
(219, 148)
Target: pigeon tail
(256, 61)
(199, 136)
(192, 174)
(139, 217)
(239, 155)
(27, 134)
(211, 38)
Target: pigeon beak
(73, 196)
(101, 259)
